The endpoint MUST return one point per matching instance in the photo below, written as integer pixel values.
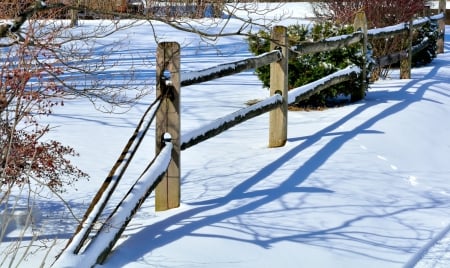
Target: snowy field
(365, 185)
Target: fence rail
(195, 77)
(328, 44)
(306, 91)
(402, 27)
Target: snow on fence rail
(104, 240)
(328, 44)
(403, 28)
(231, 68)
(306, 91)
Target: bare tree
(379, 13)
(46, 60)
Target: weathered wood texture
(440, 42)
(231, 68)
(328, 44)
(279, 85)
(322, 84)
(406, 62)
(360, 24)
(167, 194)
(391, 58)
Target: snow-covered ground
(364, 185)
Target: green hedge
(430, 31)
(308, 68)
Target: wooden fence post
(406, 62)
(440, 41)
(279, 85)
(167, 193)
(360, 24)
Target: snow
(364, 185)
(438, 245)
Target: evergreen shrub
(431, 32)
(308, 68)
(311, 67)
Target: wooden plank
(406, 62)
(391, 58)
(360, 24)
(124, 212)
(399, 55)
(387, 32)
(167, 193)
(231, 68)
(328, 44)
(279, 85)
(441, 23)
(306, 91)
(421, 46)
(100, 200)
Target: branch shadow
(52, 221)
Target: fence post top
(169, 43)
(279, 30)
(360, 21)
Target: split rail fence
(170, 80)
(163, 173)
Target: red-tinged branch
(12, 28)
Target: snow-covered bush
(308, 68)
(429, 31)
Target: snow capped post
(360, 24)
(167, 193)
(440, 41)
(279, 85)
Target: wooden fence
(170, 80)
(163, 173)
